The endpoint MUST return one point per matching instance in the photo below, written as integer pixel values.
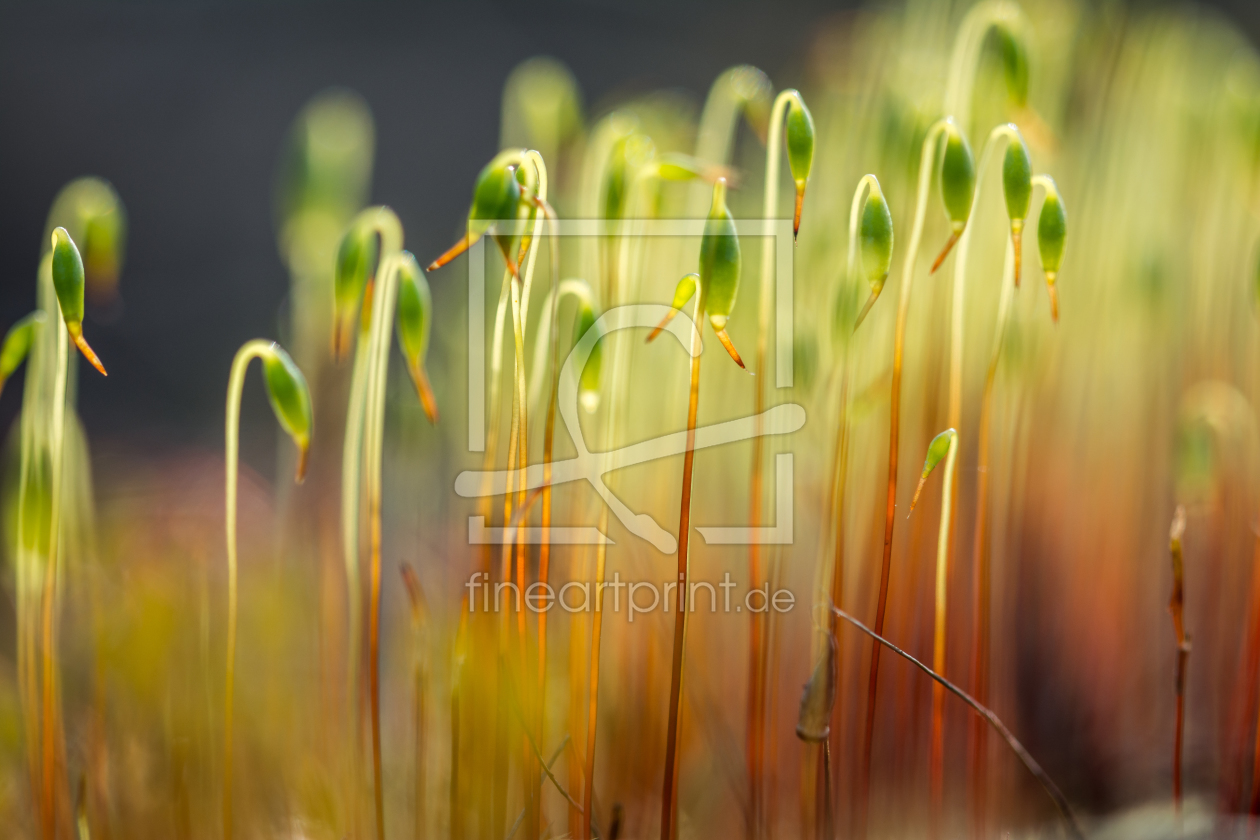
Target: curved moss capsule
(876, 243)
(937, 450)
(875, 246)
(68, 280)
(290, 400)
(719, 260)
(496, 196)
(958, 178)
(813, 722)
(1014, 62)
(414, 322)
(17, 344)
(1051, 236)
(627, 155)
(588, 382)
(800, 151)
(1017, 190)
(682, 293)
(356, 260)
(90, 209)
(958, 184)
(720, 267)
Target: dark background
(185, 109)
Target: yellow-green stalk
(291, 402)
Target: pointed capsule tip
(424, 390)
(81, 343)
(949, 246)
(1017, 238)
(730, 348)
(452, 252)
(796, 216)
(304, 451)
(661, 326)
(865, 310)
(917, 491)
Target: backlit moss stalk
(797, 134)
(378, 235)
(291, 403)
(926, 168)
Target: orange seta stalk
(669, 790)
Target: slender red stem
(669, 789)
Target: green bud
(356, 260)
(800, 150)
(678, 167)
(91, 211)
(876, 231)
(414, 322)
(627, 155)
(496, 196)
(68, 277)
(937, 450)
(1051, 230)
(68, 281)
(684, 290)
(1051, 235)
(800, 140)
(588, 382)
(719, 260)
(290, 400)
(1014, 62)
(958, 178)
(1017, 177)
(17, 344)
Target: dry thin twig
(1060, 801)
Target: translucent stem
(249, 351)
(937, 753)
(926, 168)
(669, 790)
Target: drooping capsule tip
(730, 348)
(866, 308)
(796, 216)
(79, 341)
(423, 389)
(917, 491)
(949, 246)
(1017, 240)
(452, 252)
(304, 451)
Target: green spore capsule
(496, 197)
(937, 450)
(17, 344)
(290, 400)
(1017, 189)
(1051, 236)
(720, 267)
(800, 150)
(68, 280)
(682, 293)
(1014, 56)
(875, 243)
(414, 323)
(588, 382)
(356, 259)
(415, 319)
(627, 155)
(958, 184)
